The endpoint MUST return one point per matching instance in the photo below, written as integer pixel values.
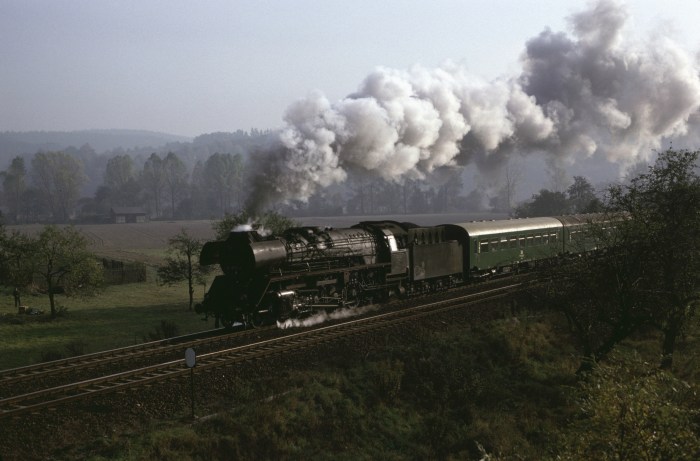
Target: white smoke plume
(243, 228)
(586, 93)
(253, 224)
(606, 96)
(323, 316)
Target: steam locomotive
(307, 269)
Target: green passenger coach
(498, 246)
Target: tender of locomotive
(309, 268)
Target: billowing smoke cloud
(606, 96)
(588, 93)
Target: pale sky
(189, 67)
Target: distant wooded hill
(29, 142)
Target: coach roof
(478, 228)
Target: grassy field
(120, 316)
(143, 242)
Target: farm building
(127, 214)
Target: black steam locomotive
(307, 269)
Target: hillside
(29, 142)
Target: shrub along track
(161, 390)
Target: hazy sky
(192, 67)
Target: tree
(153, 180)
(175, 174)
(504, 199)
(15, 259)
(546, 203)
(223, 174)
(14, 184)
(581, 195)
(3, 251)
(58, 177)
(182, 263)
(193, 203)
(664, 209)
(599, 294)
(122, 188)
(61, 260)
(448, 193)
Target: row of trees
(579, 197)
(50, 189)
(648, 277)
(53, 187)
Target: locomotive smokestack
(586, 93)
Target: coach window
(494, 245)
(538, 240)
(484, 247)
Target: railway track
(174, 369)
(68, 368)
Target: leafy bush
(76, 348)
(166, 329)
(632, 410)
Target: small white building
(127, 214)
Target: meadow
(120, 315)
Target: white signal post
(191, 361)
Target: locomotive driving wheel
(255, 320)
(227, 323)
(352, 297)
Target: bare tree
(175, 179)
(58, 177)
(182, 263)
(153, 179)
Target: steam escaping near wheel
(585, 93)
(324, 316)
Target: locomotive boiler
(309, 268)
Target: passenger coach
(498, 246)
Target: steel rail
(52, 397)
(122, 354)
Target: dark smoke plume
(579, 94)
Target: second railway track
(57, 395)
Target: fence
(120, 272)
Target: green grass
(433, 398)
(507, 386)
(119, 316)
